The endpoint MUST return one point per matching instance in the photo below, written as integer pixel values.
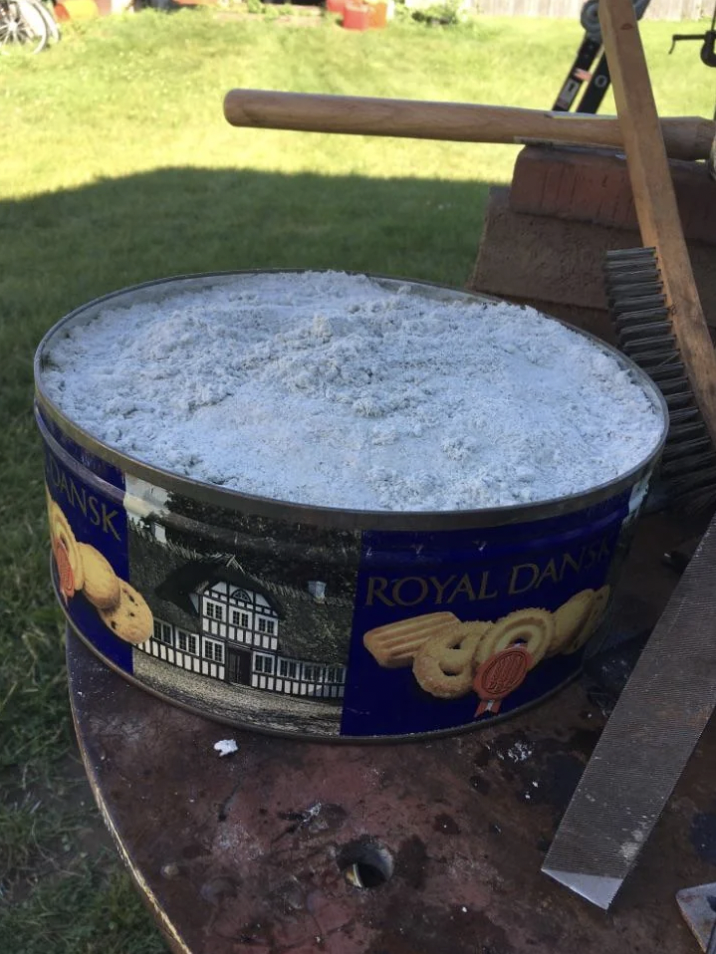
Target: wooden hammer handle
(686, 138)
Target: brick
(538, 258)
(584, 185)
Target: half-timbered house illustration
(215, 620)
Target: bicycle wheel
(22, 26)
(53, 27)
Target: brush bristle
(635, 294)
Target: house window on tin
(162, 631)
(287, 669)
(264, 664)
(187, 642)
(240, 619)
(312, 673)
(332, 674)
(214, 651)
(213, 611)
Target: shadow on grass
(61, 249)
(58, 251)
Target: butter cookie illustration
(66, 551)
(570, 619)
(131, 619)
(444, 666)
(397, 644)
(599, 607)
(532, 628)
(101, 584)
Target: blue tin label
(88, 527)
(318, 632)
(456, 627)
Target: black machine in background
(597, 79)
(708, 42)
(708, 58)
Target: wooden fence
(657, 10)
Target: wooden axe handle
(686, 138)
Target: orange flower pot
(378, 15)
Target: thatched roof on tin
(149, 564)
(166, 575)
(194, 576)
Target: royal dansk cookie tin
(322, 622)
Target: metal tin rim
(335, 517)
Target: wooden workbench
(255, 852)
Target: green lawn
(116, 167)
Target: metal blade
(646, 743)
(697, 908)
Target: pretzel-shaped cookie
(444, 666)
(533, 628)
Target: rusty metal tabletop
(264, 851)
